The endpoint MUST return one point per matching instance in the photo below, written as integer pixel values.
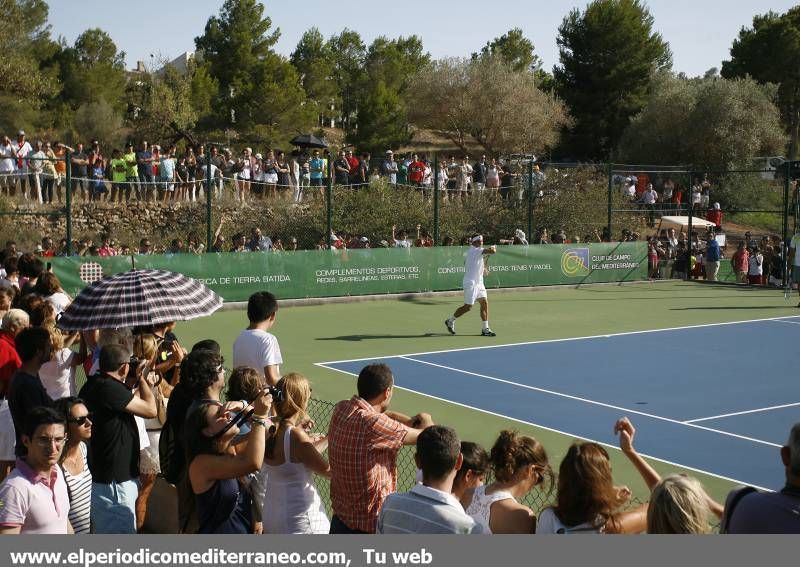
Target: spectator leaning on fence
(519, 463)
(363, 442)
(430, 507)
(34, 498)
(587, 500)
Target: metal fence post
(610, 189)
(786, 185)
(436, 200)
(209, 228)
(530, 200)
(68, 199)
(690, 208)
(328, 202)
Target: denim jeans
(114, 507)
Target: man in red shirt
(363, 442)
(354, 164)
(14, 321)
(416, 171)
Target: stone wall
(129, 222)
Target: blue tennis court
(717, 398)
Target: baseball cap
(21, 133)
(477, 238)
(364, 239)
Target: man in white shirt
(403, 241)
(255, 346)
(474, 290)
(21, 150)
(6, 166)
(430, 507)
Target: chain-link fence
(321, 411)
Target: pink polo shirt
(36, 502)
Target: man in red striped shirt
(363, 442)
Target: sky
(700, 32)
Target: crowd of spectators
(37, 172)
(242, 450)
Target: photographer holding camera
(114, 451)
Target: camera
(276, 393)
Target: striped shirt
(80, 496)
(424, 510)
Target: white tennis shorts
(473, 291)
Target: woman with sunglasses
(291, 502)
(73, 462)
(519, 463)
(587, 500)
(223, 504)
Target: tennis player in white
(474, 269)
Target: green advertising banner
(329, 273)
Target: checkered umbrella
(139, 298)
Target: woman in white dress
(74, 465)
(291, 502)
(519, 464)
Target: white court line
(789, 322)
(560, 432)
(593, 402)
(688, 421)
(546, 341)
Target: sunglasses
(82, 419)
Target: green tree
(513, 48)
(26, 46)
(708, 123)
(349, 54)
(259, 92)
(486, 101)
(314, 62)
(608, 55)
(161, 107)
(92, 70)
(99, 120)
(764, 52)
(381, 115)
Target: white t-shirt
(19, 153)
(793, 245)
(6, 161)
(257, 349)
(406, 243)
(58, 374)
(473, 265)
(756, 265)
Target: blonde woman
(679, 505)
(291, 500)
(58, 374)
